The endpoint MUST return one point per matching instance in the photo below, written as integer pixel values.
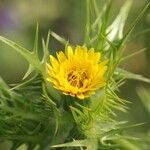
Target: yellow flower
(78, 73)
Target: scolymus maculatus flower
(79, 72)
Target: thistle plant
(69, 100)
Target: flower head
(77, 73)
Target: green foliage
(31, 56)
(145, 97)
(36, 114)
(27, 116)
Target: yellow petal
(54, 61)
(61, 57)
(80, 96)
(69, 52)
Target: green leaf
(29, 71)
(144, 94)
(129, 75)
(22, 147)
(88, 23)
(115, 30)
(103, 27)
(48, 99)
(128, 145)
(98, 20)
(59, 38)
(127, 34)
(32, 56)
(75, 143)
(28, 55)
(35, 48)
(95, 5)
(90, 144)
(3, 85)
(133, 54)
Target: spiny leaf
(139, 34)
(29, 71)
(58, 38)
(26, 53)
(103, 27)
(95, 7)
(128, 145)
(129, 75)
(98, 21)
(88, 23)
(144, 94)
(45, 53)
(127, 34)
(30, 56)
(3, 85)
(90, 144)
(35, 48)
(48, 99)
(133, 54)
(16, 145)
(22, 147)
(115, 30)
(75, 143)
(45, 49)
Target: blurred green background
(18, 21)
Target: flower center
(76, 78)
